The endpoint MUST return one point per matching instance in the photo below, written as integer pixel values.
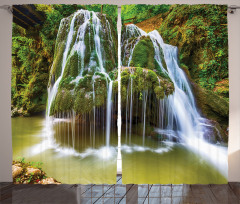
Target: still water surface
(84, 165)
(153, 162)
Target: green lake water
(29, 141)
(159, 163)
(166, 164)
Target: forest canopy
(141, 12)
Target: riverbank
(30, 173)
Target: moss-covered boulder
(143, 86)
(143, 54)
(84, 94)
(144, 80)
(90, 63)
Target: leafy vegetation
(200, 32)
(28, 172)
(141, 12)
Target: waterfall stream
(91, 26)
(109, 108)
(178, 116)
(53, 91)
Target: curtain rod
(231, 8)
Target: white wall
(5, 77)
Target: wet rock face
(144, 79)
(214, 133)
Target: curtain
(174, 94)
(64, 96)
(161, 86)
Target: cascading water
(109, 108)
(86, 32)
(53, 91)
(178, 116)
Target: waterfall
(94, 113)
(144, 107)
(178, 116)
(52, 92)
(109, 108)
(91, 59)
(131, 110)
(182, 101)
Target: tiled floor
(119, 193)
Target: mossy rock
(63, 102)
(72, 66)
(89, 63)
(85, 83)
(143, 54)
(67, 83)
(83, 102)
(86, 66)
(115, 87)
(212, 106)
(144, 80)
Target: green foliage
(21, 159)
(110, 10)
(200, 32)
(141, 11)
(36, 164)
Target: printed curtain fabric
(174, 93)
(170, 83)
(64, 67)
